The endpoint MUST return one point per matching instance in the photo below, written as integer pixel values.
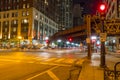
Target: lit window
(23, 5)
(28, 5)
(17, 6)
(5, 29)
(36, 15)
(8, 7)
(14, 29)
(6, 23)
(24, 20)
(17, 0)
(27, 13)
(15, 21)
(23, 13)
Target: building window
(9, 7)
(6, 22)
(15, 14)
(14, 29)
(25, 13)
(28, 5)
(24, 6)
(5, 29)
(17, 6)
(8, 1)
(15, 21)
(17, 0)
(24, 21)
(36, 15)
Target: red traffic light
(70, 39)
(47, 41)
(102, 7)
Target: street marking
(52, 75)
(11, 60)
(31, 62)
(51, 59)
(41, 73)
(80, 62)
(59, 60)
(69, 61)
(54, 64)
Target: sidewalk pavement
(91, 70)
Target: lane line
(52, 75)
(41, 73)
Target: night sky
(90, 6)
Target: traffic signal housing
(102, 9)
(70, 39)
(47, 41)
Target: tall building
(77, 15)
(66, 14)
(33, 20)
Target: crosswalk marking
(69, 61)
(50, 59)
(59, 60)
(52, 75)
(38, 60)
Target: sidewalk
(91, 70)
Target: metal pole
(89, 35)
(102, 48)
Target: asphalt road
(38, 65)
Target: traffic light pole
(102, 47)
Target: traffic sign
(87, 40)
(103, 37)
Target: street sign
(87, 40)
(103, 37)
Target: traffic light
(102, 9)
(47, 41)
(70, 39)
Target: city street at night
(59, 39)
(37, 65)
(47, 64)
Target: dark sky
(90, 6)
